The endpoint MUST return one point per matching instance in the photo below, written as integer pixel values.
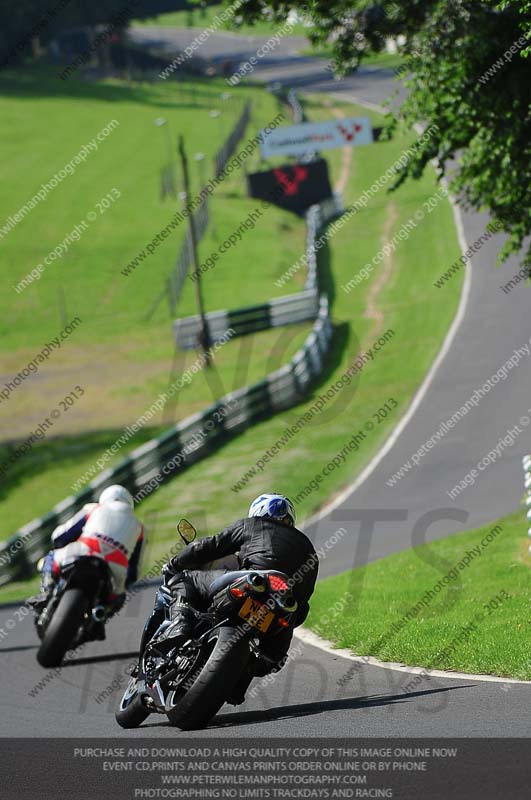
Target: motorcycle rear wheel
(63, 626)
(213, 682)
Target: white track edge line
(425, 385)
(311, 638)
(308, 637)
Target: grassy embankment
(478, 622)
(398, 295)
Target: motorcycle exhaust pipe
(99, 614)
(257, 582)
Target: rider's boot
(257, 668)
(38, 601)
(96, 633)
(237, 695)
(150, 628)
(182, 621)
(182, 614)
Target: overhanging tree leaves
(468, 73)
(23, 20)
(43, 19)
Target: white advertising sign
(294, 140)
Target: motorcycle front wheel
(131, 712)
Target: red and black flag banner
(294, 187)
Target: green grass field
(407, 301)
(399, 296)
(211, 15)
(130, 358)
(479, 621)
(129, 159)
(382, 60)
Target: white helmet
(117, 493)
(274, 506)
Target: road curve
(307, 698)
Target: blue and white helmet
(274, 506)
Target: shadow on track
(323, 706)
(78, 662)
(19, 649)
(311, 709)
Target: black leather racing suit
(260, 543)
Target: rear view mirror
(186, 531)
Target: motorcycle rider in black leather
(265, 540)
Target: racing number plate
(256, 614)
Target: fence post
(256, 403)
(526, 461)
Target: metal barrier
(160, 459)
(250, 319)
(222, 156)
(174, 283)
(290, 309)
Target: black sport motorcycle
(74, 609)
(190, 681)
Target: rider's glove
(168, 572)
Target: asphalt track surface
(307, 698)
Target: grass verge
(398, 295)
(406, 300)
(201, 18)
(129, 352)
(477, 618)
(382, 60)
(88, 274)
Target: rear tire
(63, 626)
(131, 712)
(213, 684)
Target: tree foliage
(468, 72)
(22, 20)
